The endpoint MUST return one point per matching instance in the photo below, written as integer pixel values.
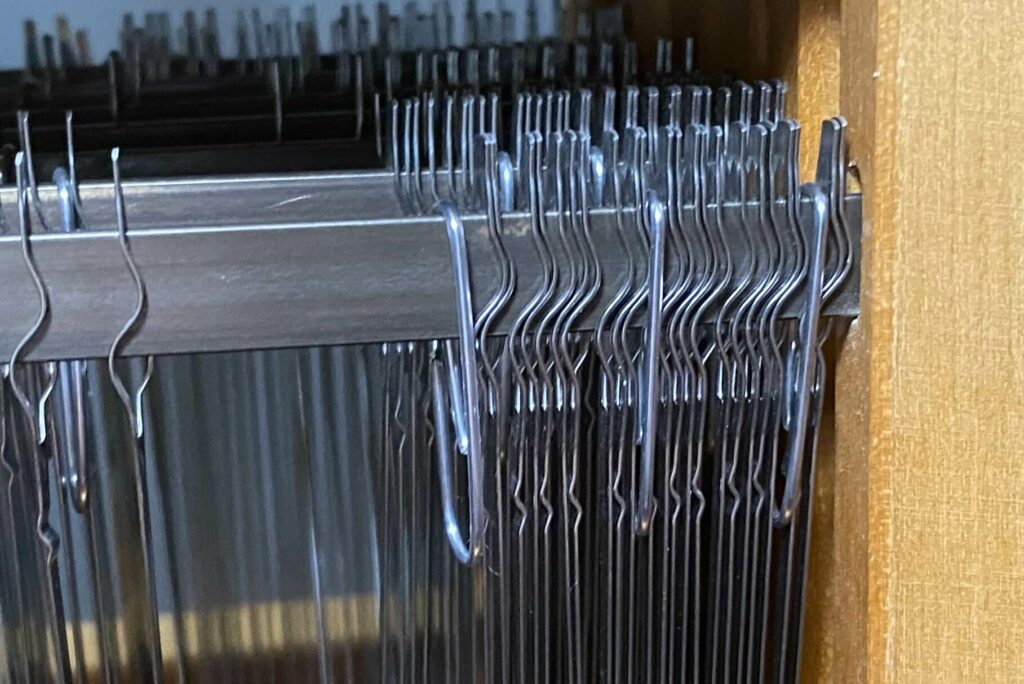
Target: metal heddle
(456, 352)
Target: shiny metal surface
(271, 262)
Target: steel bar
(277, 262)
(236, 201)
(252, 158)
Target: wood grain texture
(815, 75)
(940, 146)
(845, 633)
(863, 447)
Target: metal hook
(603, 330)
(808, 345)
(411, 138)
(72, 376)
(132, 402)
(831, 175)
(25, 139)
(464, 142)
(503, 294)
(72, 167)
(656, 224)
(565, 274)
(585, 185)
(431, 144)
(395, 159)
(467, 554)
(36, 414)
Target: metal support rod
(281, 262)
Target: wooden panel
(863, 440)
(938, 138)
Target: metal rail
(270, 262)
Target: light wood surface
(938, 138)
